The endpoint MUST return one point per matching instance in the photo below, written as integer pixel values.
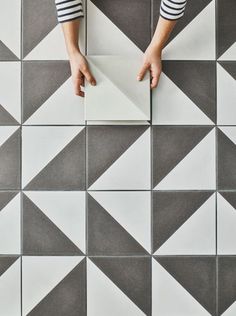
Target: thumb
(142, 71)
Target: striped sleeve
(172, 9)
(68, 10)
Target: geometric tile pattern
(114, 215)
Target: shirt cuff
(172, 9)
(68, 10)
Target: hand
(80, 71)
(151, 62)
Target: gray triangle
(10, 162)
(197, 81)
(197, 274)
(230, 67)
(132, 275)
(106, 236)
(40, 80)
(6, 53)
(226, 162)
(6, 118)
(39, 19)
(171, 144)
(41, 235)
(6, 262)
(66, 170)
(67, 298)
(226, 282)
(106, 144)
(173, 209)
(5, 198)
(230, 197)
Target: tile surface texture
(122, 203)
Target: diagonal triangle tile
(197, 275)
(171, 106)
(226, 158)
(59, 164)
(67, 297)
(41, 235)
(104, 37)
(39, 18)
(172, 210)
(226, 285)
(106, 236)
(40, 81)
(101, 150)
(131, 170)
(195, 236)
(226, 221)
(6, 53)
(229, 54)
(10, 158)
(204, 48)
(10, 219)
(171, 145)
(127, 272)
(200, 74)
(128, 20)
(104, 297)
(131, 210)
(131, 99)
(226, 95)
(226, 35)
(66, 210)
(10, 286)
(166, 289)
(46, 272)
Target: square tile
(117, 95)
(181, 151)
(112, 30)
(60, 286)
(125, 166)
(53, 223)
(119, 222)
(10, 159)
(184, 223)
(53, 158)
(48, 94)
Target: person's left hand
(151, 62)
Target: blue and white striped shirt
(68, 10)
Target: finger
(89, 77)
(143, 71)
(77, 88)
(81, 94)
(155, 76)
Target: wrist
(73, 50)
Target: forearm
(71, 36)
(162, 32)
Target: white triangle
(170, 298)
(231, 311)
(131, 171)
(10, 219)
(230, 54)
(36, 152)
(230, 132)
(62, 107)
(104, 37)
(10, 30)
(173, 107)
(195, 42)
(132, 210)
(10, 291)
(53, 47)
(66, 210)
(196, 170)
(121, 107)
(6, 132)
(10, 78)
(41, 274)
(226, 221)
(226, 97)
(104, 297)
(196, 235)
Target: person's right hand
(80, 71)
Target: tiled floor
(103, 216)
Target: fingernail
(94, 83)
(139, 78)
